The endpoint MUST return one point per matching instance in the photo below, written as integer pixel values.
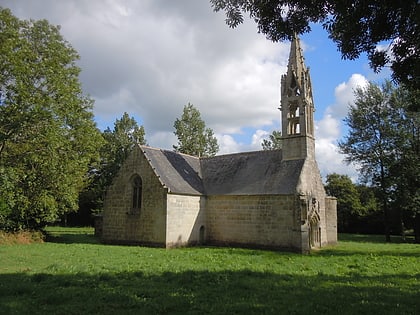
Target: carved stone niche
(303, 209)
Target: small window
(137, 192)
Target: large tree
(379, 140)
(48, 139)
(356, 26)
(193, 136)
(406, 170)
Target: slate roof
(180, 173)
(248, 173)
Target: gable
(180, 173)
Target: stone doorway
(314, 234)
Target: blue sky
(149, 58)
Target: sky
(150, 58)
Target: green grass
(73, 274)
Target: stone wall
(331, 219)
(254, 221)
(168, 219)
(310, 184)
(185, 220)
(123, 225)
(298, 147)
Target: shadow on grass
(71, 236)
(332, 251)
(379, 239)
(202, 292)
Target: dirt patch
(21, 237)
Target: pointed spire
(296, 59)
(297, 107)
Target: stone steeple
(297, 107)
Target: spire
(296, 60)
(296, 68)
(297, 106)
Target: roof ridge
(170, 151)
(242, 153)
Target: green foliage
(361, 275)
(118, 144)
(193, 136)
(348, 202)
(357, 205)
(273, 142)
(355, 26)
(48, 138)
(406, 169)
(384, 142)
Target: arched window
(137, 192)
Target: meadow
(71, 273)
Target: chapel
(264, 199)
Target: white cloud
(227, 144)
(167, 139)
(330, 129)
(151, 57)
(331, 161)
(258, 137)
(344, 95)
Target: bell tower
(297, 108)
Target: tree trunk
(402, 228)
(385, 205)
(417, 228)
(386, 222)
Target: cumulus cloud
(150, 58)
(344, 95)
(330, 129)
(227, 144)
(258, 137)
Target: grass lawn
(73, 274)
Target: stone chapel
(264, 199)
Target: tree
(119, 142)
(348, 202)
(406, 170)
(357, 205)
(48, 139)
(193, 136)
(377, 142)
(273, 142)
(355, 26)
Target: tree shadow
(205, 292)
(378, 239)
(71, 236)
(415, 252)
